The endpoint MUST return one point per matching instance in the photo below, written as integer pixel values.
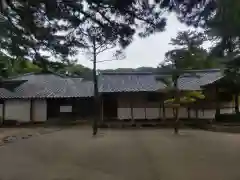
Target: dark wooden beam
(132, 118)
(145, 111)
(236, 99)
(102, 110)
(196, 111)
(188, 111)
(217, 102)
(3, 112)
(164, 111)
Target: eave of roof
(51, 85)
(148, 81)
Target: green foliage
(226, 22)
(59, 26)
(192, 12)
(11, 67)
(22, 66)
(195, 94)
(4, 66)
(70, 69)
(228, 118)
(188, 52)
(186, 98)
(80, 71)
(224, 28)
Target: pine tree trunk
(164, 111)
(177, 97)
(177, 101)
(176, 124)
(96, 95)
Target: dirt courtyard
(73, 154)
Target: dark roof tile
(194, 81)
(144, 81)
(6, 94)
(129, 82)
(52, 86)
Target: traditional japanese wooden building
(132, 97)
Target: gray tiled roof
(194, 80)
(132, 82)
(52, 86)
(129, 82)
(56, 86)
(4, 93)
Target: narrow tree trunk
(132, 118)
(96, 94)
(177, 102)
(236, 102)
(164, 111)
(188, 112)
(176, 125)
(177, 98)
(197, 115)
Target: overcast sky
(142, 52)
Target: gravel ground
(9, 135)
(73, 154)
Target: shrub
(228, 117)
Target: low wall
(139, 108)
(39, 108)
(18, 110)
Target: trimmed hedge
(228, 118)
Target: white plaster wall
(152, 113)
(192, 113)
(124, 113)
(153, 110)
(160, 113)
(227, 111)
(183, 113)
(124, 110)
(138, 113)
(207, 114)
(169, 113)
(39, 110)
(18, 110)
(138, 104)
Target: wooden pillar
(217, 103)
(3, 112)
(102, 110)
(236, 100)
(196, 111)
(164, 111)
(145, 111)
(132, 118)
(188, 111)
(160, 106)
(47, 109)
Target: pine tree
(31, 27)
